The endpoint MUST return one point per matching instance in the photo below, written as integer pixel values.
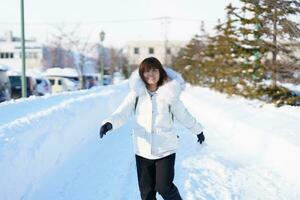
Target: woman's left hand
(200, 137)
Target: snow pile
(292, 87)
(33, 144)
(253, 148)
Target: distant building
(139, 50)
(11, 52)
(39, 56)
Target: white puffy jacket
(154, 135)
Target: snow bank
(33, 145)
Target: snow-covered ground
(50, 149)
(292, 87)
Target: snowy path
(101, 171)
(251, 153)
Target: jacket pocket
(164, 141)
(140, 140)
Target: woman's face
(152, 76)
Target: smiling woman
(152, 73)
(154, 99)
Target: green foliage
(189, 61)
(235, 61)
(277, 95)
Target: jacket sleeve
(185, 118)
(123, 112)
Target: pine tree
(266, 29)
(223, 52)
(245, 47)
(190, 59)
(251, 46)
(279, 29)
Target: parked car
(107, 80)
(16, 86)
(91, 80)
(5, 88)
(75, 80)
(117, 77)
(43, 86)
(61, 84)
(69, 73)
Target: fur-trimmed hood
(168, 92)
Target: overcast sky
(122, 20)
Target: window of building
(151, 50)
(136, 50)
(6, 55)
(29, 55)
(35, 55)
(168, 51)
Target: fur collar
(168, 92)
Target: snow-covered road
(51, 150)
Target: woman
(154, 99)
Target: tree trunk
(274, 50)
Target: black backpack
(136, 102)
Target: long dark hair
(152, 63)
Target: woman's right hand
(104, 128)
(200, 137)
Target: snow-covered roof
(4, 67)
(69, 72)
(14, 72)
(92, 74)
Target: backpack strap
(171, 112)
(135, 104)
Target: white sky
(95, 15)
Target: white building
(139, 50)
(11, 52)
(40, 56)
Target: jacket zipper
(151, 129)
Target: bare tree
(117, 61)
(79, 48)
(56, 54)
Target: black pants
(157, 176)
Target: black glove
(104, 128)
(200, 137)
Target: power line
(111, 21)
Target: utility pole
(102, 37)
(165, 23)
(24, 84)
